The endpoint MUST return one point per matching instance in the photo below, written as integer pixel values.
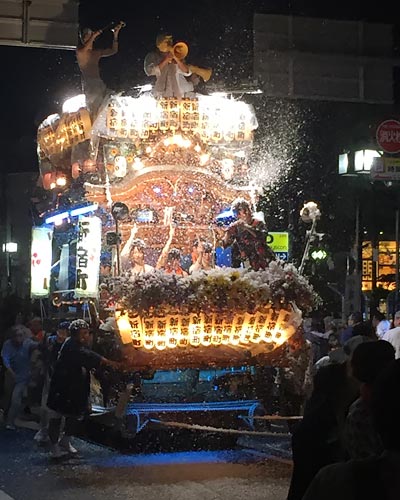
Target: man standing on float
(169, 70)
(88, 60)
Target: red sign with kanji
(388, 136)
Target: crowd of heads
(354, 407)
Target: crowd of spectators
(346, 445)
(46, 376)
(349, 426)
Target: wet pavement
(99, 472)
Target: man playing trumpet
(167, 64)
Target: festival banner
(41, 260)
(88, 250)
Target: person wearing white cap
(393, 335)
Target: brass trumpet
(180, 50)
(204, 73)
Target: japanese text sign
(88, 250)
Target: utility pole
(4, 262)
(396, 293)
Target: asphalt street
(27, 473)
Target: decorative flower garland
(221, 290)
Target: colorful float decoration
(179, 161)
(134, 135)
(220, 316)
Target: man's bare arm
(114, 48)
(162, 260)
(88, 45)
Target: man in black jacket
(70, 386)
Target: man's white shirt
(382, 327)
(393, 336)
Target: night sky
(35, 82)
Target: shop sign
(279, 242)
(88, 250)
(388, 136)
(385, 168)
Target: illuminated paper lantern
(263, 330)
(41, 260)
(88, 249)
(57, 134)
(125, 329)
(214, 118)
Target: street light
(10, 247)
(357, 164)
(319, 254)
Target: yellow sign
(385, 168)
(384, 265)
(279, 242)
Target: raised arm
(114, 48)
(196, 266)
(154, 68)
(162, 260)
(182, 66)
(127, 247)
(88, 45)
(229, 235)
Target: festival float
(164, 171)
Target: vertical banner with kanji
(41, 260)
(88, 250)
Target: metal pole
(357, 237)
(117, 248)
(358, 257)
(25, 20)
(307, 248)
(396, 294)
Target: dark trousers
(70, 427)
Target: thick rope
(277, 417)
(223, 430)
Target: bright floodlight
(61, 181)
(343, 163)
(363, 159)
(74, 104)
